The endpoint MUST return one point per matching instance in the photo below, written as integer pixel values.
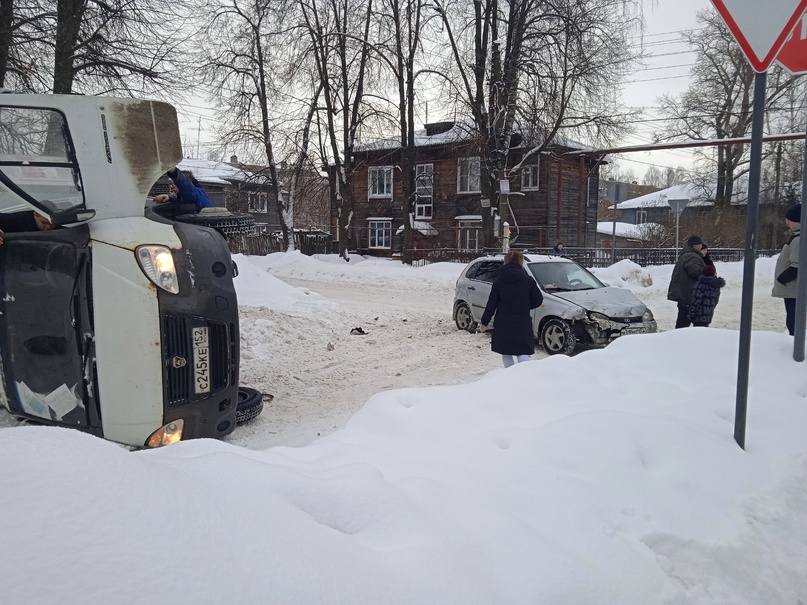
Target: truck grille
(178, 357)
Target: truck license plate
(201, 360)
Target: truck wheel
(557, 337)
(225, 222)
(250, 404)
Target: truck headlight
(648, 316)
(167, 434)
(157, 262)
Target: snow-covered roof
(458, 132)
(210, 171)
(421, 226)
(627, 230)
(694, 193)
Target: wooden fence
(308, 243)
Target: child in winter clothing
(705, 296)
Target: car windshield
(36, 157)
(563, 276)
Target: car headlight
(157, 262)
(648, 316)
(602, 320)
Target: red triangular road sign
(760, 28)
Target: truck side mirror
(71, 215)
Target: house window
(529, 177)
(469, 235)
(424, 180)
(380, 234)
(380, 181)
(641, 216)
(257, 202)
(468, 175)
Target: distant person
(686, 272)
(705, 296)
(185, 189)
(513, 295)
(558, 249)
(787, 267)
(28, 220)
(707, 260)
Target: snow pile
(383, 272)
(606, 478)
(623, 273)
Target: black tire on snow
(226, 223)
(250, 404)
(557, 337)
(464, 319)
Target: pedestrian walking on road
(513, 295)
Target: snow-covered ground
(406, 466)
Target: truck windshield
(36, 155)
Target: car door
(479, 286)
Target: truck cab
(114, 321)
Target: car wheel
(463, 318)
(250, 404)
(557, 337)
(226, 223)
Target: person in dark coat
(27, 220)
(185, 189)
(787, 267)
(558, 249)
(688, 269)
(707, 260)
(705, 296)
(513, 295)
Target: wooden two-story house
(552, 198)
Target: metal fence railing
(590, 257)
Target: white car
(577, 309)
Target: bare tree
(338, 34)
(95, 46)
(405, 18)
(237, 67)
(718, 102)
(539, 66)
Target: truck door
(46, 331)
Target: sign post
(678, 206)
(761, 29)
(793, 57)
(617, 192)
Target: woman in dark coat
(513, 295)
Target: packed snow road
(297, 314)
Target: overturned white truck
(118, 322)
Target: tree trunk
(6, 16)
(69, 14)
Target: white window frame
(530, 177)
(641, 216)
(469, 169)
(376, 227)
(379, 182)
(424, 188)
(468, 232)
(257, 201)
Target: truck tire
(225, 222)
(250, 404)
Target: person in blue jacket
(185, 189)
